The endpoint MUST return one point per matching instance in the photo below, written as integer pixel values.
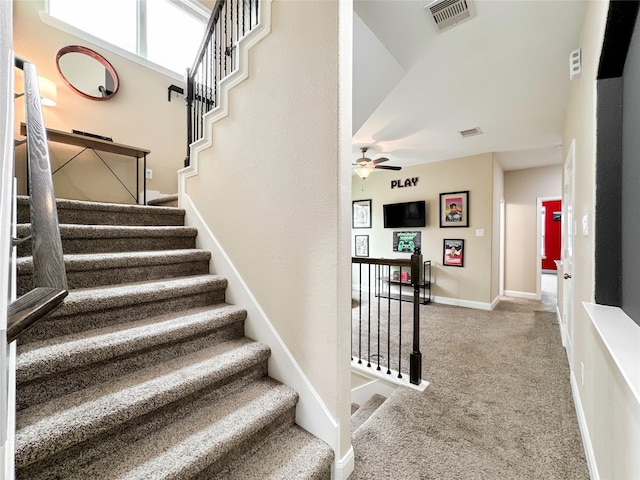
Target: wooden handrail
(49, 273)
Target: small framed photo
(453, 253)
(454, 209)
(362, 245)
(361, 213)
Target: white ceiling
(505, 71)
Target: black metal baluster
(360, 314)
(244, 19)
(389, 329)
(369, 319)
(400, 326)
(378, 286)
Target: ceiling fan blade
(380, 160)
(387, 167)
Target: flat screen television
(407, 214)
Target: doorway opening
(549, 243)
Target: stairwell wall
(138, 115)
(273, 190)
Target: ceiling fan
(364, 166)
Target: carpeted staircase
(144, 372)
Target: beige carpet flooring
(499, 404)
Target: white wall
(522, 189)
(608, 410)
(274, 190)
(471, 285)
(138, 115)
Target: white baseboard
(311, 412)
(344, 467)
(584, 430)
(528, 295)
(459, 302)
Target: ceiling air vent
(448, 13)
(470, 132)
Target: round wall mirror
(87, 72)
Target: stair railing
(377, 319)
(49, 274)
(230, 21)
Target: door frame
(539, 202)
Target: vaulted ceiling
(505, 71)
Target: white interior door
(569, 228)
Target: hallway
(499, 404)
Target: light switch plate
(479, 232)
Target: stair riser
(61, 383)
(77, 456)
(211, 472)
(58, 325)
(113, 276)
(112, 245)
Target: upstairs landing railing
(381, 323)
(230, 21)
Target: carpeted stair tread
(90, 308)
(115, 238)
(89, 299)
(47, 428)
(165, 200)
(205, 438)
(90, 270)
(367, 409)
(99, 213)
(292, 454)
(39, 359)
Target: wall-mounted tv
(407, 214)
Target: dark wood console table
(96, 144)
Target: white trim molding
(584, 429)
(527, 295)
(460, 302)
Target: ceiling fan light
(363, 171)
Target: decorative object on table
(87, 73)
(406, 242)
(453, 252)
(362, 245)
(361, 213)
(454, 209)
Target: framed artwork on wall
(362, 245)
(361, 213)
(454, 209)
(406, 242)
(453, 252)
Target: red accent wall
(553, 232)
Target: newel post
(415, 360)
